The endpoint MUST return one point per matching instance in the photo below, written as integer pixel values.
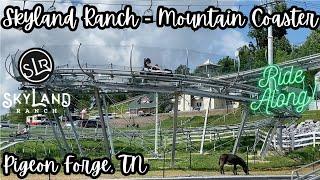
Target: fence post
(314, 139)
(95, 133)
(214, 142)
(292, 140)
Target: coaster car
(150, 69)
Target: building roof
(208, 63)
(144, 102)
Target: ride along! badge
(35, 65)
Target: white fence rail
(295, 141)
(195, 135)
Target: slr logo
(35, 65)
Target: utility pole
(270, 62)
(270, 36)
(269, 6)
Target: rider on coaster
(148, 65)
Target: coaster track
(306, 63)
(221, 87)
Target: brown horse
(232, 160)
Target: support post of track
(156, 132)
(244, 117)
(174, 135)
(64, 140)
(279, 136)
(267, 141)
(62, 150)
(103, 126)
(74, 131)
(107, 123)
(205, 127)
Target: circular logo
(35, 65)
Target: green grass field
(207, 161)
(230, 119)
(185, 153)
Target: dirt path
(150, 174)
(147, 120)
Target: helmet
(146, 61)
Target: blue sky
(295, 37)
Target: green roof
(144, 102)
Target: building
(315, 104)
(191, 103)
(144, 105)
(207, 69)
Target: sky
(167, 47)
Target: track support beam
(244, 117)
(105, 105)
(279, 136)
(103, 126)
(62, 150)
(267, 141)
(205, 127)
(76, 135)
(174, 135)
(64, 140)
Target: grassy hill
(208, 161)
(230, 119)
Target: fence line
(296, 141)
(288, 141)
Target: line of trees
(254, 55)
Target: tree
(182, 69)
(4, 117)
(261, 34)
(227, 65)
(258, 58)
(165, 103)
(310, 46)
